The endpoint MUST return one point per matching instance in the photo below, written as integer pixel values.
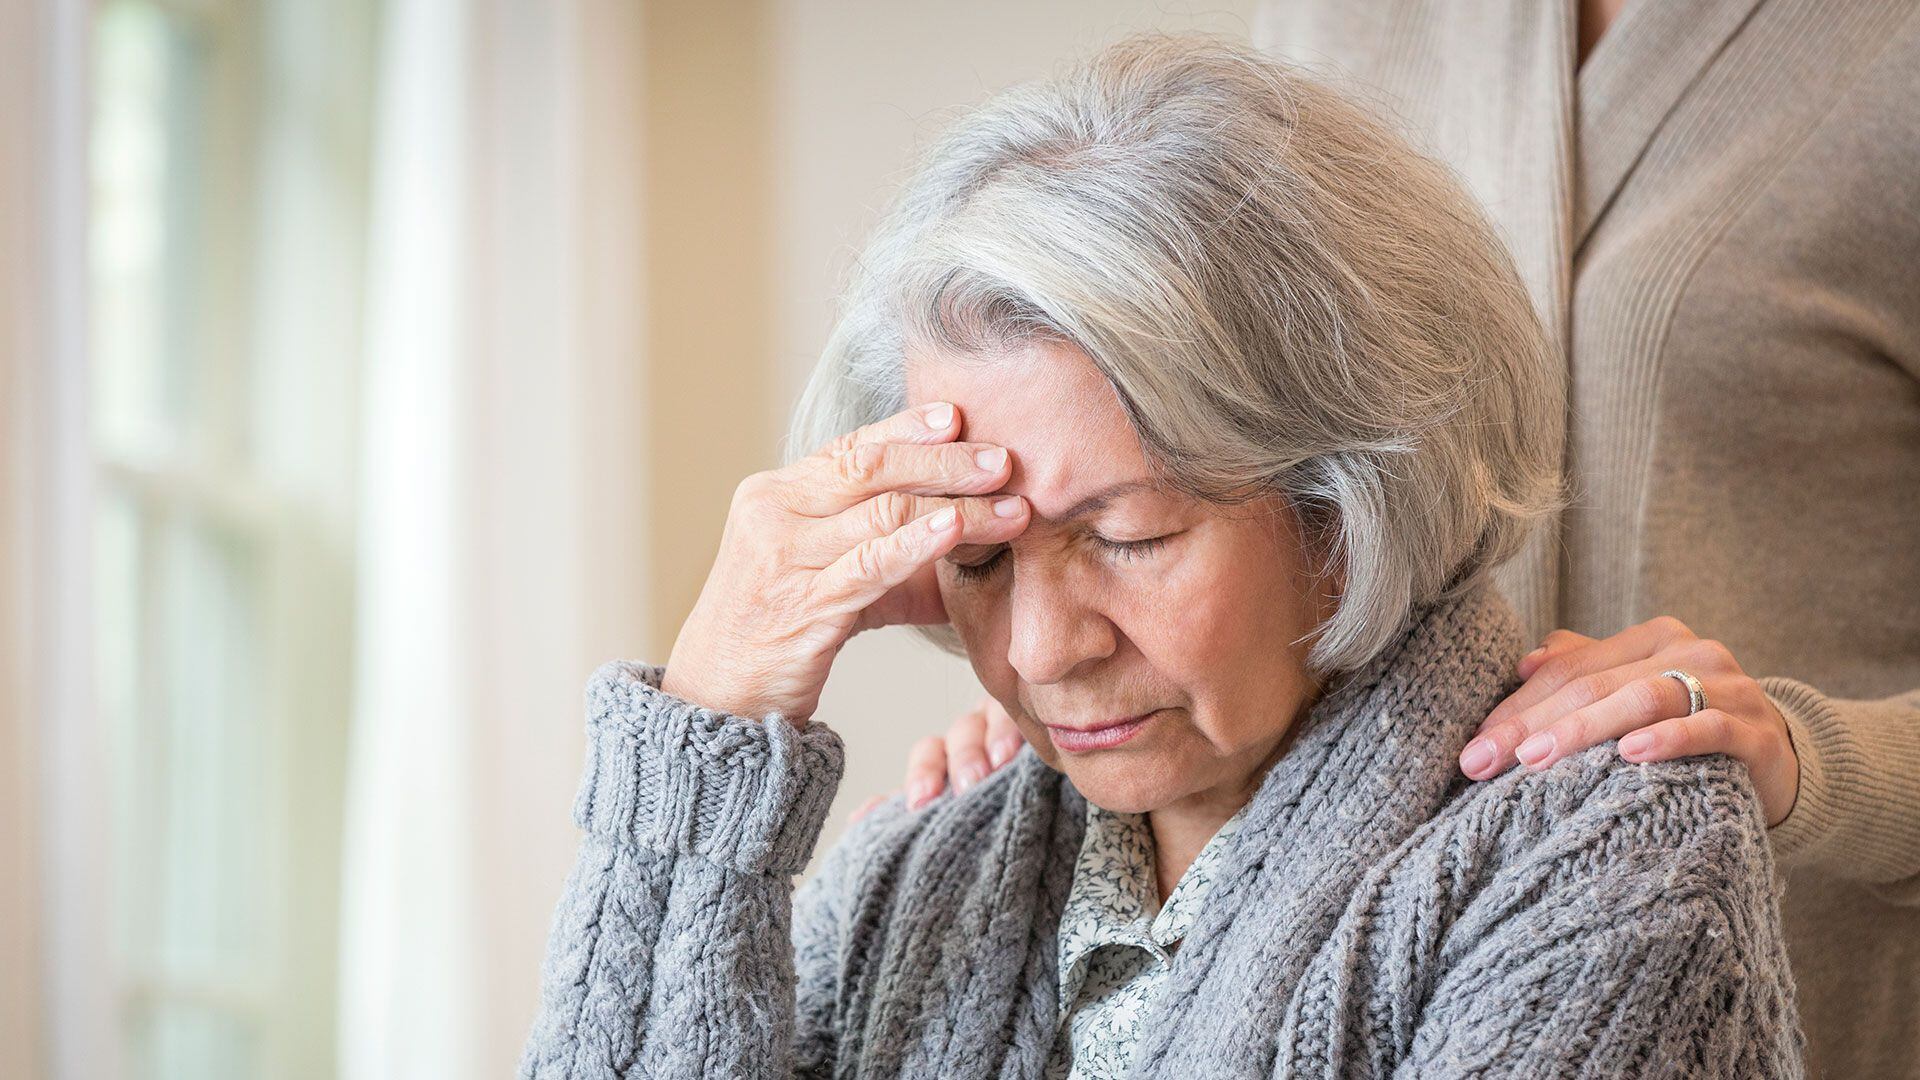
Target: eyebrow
(1098, 501)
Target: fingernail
(969, 776)
(1478, 756)
(991, 460)
(942, 520)
(1007, 507)
(1637, 743)
(1536, 748)
(921, 793)
(1004, 749)
(939, 416)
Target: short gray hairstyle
(1286, 296)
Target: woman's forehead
(1051, 407)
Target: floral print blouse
(1117, 941)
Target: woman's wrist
(668, 775)
(1801, 835)
(752, 703)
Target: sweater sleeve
(1640, 936)
(671, 952)
(1857, 815)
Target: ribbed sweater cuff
(669, 776)
(1853, 814)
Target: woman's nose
(1054, 631)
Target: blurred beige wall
(709, 251)
(776, 131)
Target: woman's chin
(1122, 783)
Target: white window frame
(275, 68)
(60, 991)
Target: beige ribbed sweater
(1719, 217)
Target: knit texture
(1376, 914)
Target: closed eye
(1117, 550)
(1130, 549)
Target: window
(228, 172)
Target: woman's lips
(1080, 740)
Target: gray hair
(1286, 296)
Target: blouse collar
(1115, 895)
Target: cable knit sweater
(1375, 915)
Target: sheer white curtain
(501, 488)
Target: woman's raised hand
(838, 542)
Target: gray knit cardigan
(1377, 915)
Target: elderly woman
(1195, 407)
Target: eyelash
(1116, 549)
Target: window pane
(212, 807)
(148, 255)
(192, 816)
(180, 1039)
